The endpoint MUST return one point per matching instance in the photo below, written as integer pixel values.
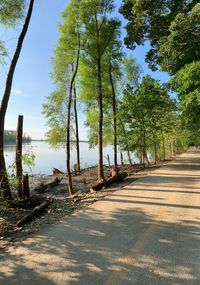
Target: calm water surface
(48, 158)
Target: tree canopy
(10, 13)
(186, 83)
(163, 23)
(181, 46)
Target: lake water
(47, 158)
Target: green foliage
(3, 52)
(10, 13)
(55, 112)
(66, 48)
(186, 83)
(102, 43)
(55, 107)
(28, 159)
(132, 71)
(173, 29)
(158, 22)
(147, 117)
(181, 46)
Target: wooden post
(122, 158)
(108, 158)
(26, 189)
(18, 160)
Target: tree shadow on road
(86, 249)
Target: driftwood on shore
(57, 171)
(29, 202)
(115, 179)
(43, 187)
(34, 213)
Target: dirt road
(147, 233)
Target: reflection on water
(48, 158)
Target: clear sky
(32, 81)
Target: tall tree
(78, 168)
(5, 100)
(114, 105)
(114, 60)
(65, 69)
(99, 32)
(70, 187)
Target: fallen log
(115, 179)
(30, 202)
(43, 187)
(34, 213)
(57, 171)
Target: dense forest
(10, 137)
(92, 71)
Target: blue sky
(32, 81)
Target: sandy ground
(145, 233)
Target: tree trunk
(18, 159)
(68, 121)
(163, 142)
(108, 158)
(100, 130)
(144, 152)
(145, 157)
(4, 103)
(114, 115)
(127, 147)
(122, 158)
(26, 189)
(70, 187)
(172, 148)
(155, 148)
(5, 187)
(155, 153)
(77, 131)
(129, 158)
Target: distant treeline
(10, 137)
